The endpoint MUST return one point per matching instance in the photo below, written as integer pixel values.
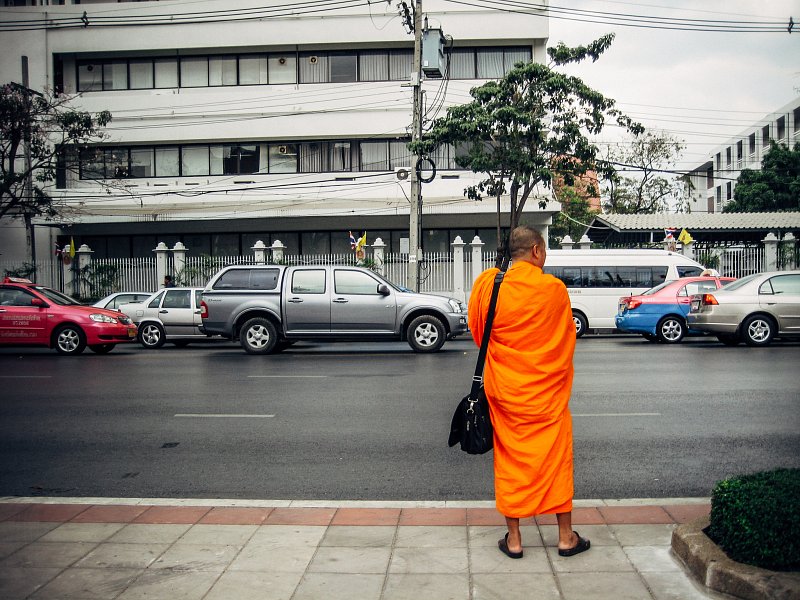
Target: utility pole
(28, 193)
(414, 229)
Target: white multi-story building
(257, 120)
(713, 182)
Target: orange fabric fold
(528, 381)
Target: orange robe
(528, 381)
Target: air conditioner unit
(402, 173)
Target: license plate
(131, 333)
(695, 305)
(621, 308)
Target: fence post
(377, 254)
(458, 268)
(277, 252)
(83, 258)
(584, 243)
(688, 250)
(260, 250)
(567, 243)
(179, 263)
(788, 252)
(161, 262)
(477, 257)
(770, 252)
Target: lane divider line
(616, 414)
(221, 416)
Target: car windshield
(658, 288)
(735, 285)
(394, 286)
(57, 297)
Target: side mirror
(383, 289)
(38, 302)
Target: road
(370, 421)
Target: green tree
(575, 215)
(34, 129)
(775, 187)
(529, 127)
(646, 190)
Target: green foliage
(775, 187)
(528, 128)
(574, 216)
(26, 270)
(755, 518)
(196, 275)
(98, 280)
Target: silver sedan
(754, 309)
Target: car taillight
(708, 299)
(203, 309)
(631, 303)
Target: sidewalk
(81, 549)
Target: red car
(33, 315)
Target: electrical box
(433, 64)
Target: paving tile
(273, 558)
(82, 532)
(359, 536)
(683, 513)
(489, 536)
(652, 558)
(122, 556)
(144, 533)
(235, 515)
(228, 535)
(288, 535)
(635, 514)
(580, 516)
(517, 586)
(48, 554)
(366, 516)
(350, 560)
(339, 586)
(668, 586)
(433, 516)
(8, 510)
(429, 560)
(603, 586)
(426, 586)
(12, 531)
(50, 512)
(244, 585)
(431, 537)
(87, 584)
(172, 514)
(8, 548)
(300, 516)
(195, 557)
(643, 535)
(109, 514)
(597, 558)
(484, 516)
(484, 559)
(599, 535)
(167, 584)
(17, 583)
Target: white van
(596, 279)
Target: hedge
(755, 518)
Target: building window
(462, 63)
(728, 157)
(400, 65)
(719, 197)
(751, 144)
(343, 67)
(373, 66)
(141, 75)
(796, 115)
(781, 133)
(90, 76)
(194, 160)
(240, 159)
(194, 72)
(709, 177)
(166, 73)
(282, 158)
(718, 160)
(765, 136)
(729, 190)
(374, 156)
(168, 163)
(142, 162)
(253, 70)
(222, 70)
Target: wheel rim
(758, 330)
(672, 330)
(68, 340)
(578, 324)
(426, 335)
(151, 334)
(257, 336)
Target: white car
(115, 300)
(169, 315)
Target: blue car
(659, 314)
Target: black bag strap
(477, 379)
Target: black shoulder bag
(471, 425)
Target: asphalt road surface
(370, 421)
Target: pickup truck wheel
(151, 335)
(70, 340)
(426, 334)
(258, 336)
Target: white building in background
(257, 120)
(713, 182)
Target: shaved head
(522, 239)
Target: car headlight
(102, 318)
(456, 305)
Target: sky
(702, 87)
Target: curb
(712, 567)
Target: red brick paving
(50, 512)
(9, 510)
(635, 515)
(235, 515)
(300, 516)
(109, 514)
(683, 513)
(162, 515)
(433, 516)
(366, 516)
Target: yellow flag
(362, 241)
(684, 238)
(71, 248)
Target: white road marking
(26, 376)
(286, 376)
(616, 414)
(222, 416)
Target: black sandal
(503, 545)
(582, 546)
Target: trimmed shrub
(755, 518)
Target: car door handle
(163, 311)
(295, 300)
(341, 301)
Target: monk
(528, 381)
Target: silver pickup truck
(268, 307)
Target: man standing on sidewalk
(528, 381)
